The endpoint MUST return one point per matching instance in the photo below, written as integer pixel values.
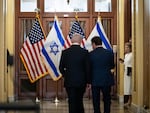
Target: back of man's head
(96, 40)
(76, 38)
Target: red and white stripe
(32, 59)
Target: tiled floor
(62, 107)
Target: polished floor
(61, 106)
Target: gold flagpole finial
(76, 16)
(37, 11)
(99, 17)
(55, 16)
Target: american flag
(76, 28)
(30, 53)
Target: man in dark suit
(74, 68)
(102, 62)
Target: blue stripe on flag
(102, 37)
(50, 62)
(59, 34)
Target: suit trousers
(106, 90)
(75, 99)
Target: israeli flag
(51, 52)
(98, 30)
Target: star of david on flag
(51, 52)
(54, 48)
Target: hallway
(124, 21)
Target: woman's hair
(129, 45)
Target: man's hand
(121, 60)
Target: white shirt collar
(75, 43)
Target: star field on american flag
(76, 28)
(36, 33)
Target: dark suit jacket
(102, 61)
(74, 66)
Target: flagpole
(56, 98)
(37, 99)
(76, 16)
(37, 11)
(99, 17)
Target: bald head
(76, 38)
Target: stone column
(120, 49)
(10, 40)
(3, 65)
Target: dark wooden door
(46, 88)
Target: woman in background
(127, 73)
